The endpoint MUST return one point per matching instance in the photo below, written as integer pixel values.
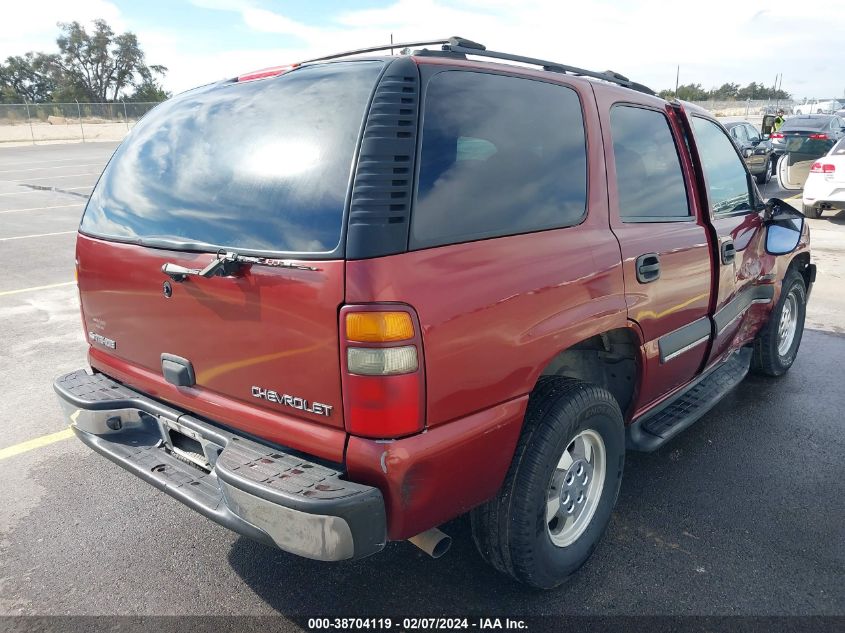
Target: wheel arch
(611, 359)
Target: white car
(818, 107)
(825, 185)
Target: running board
(657, 427)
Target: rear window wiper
(227, 264)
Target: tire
(763, 176)
(811, 211)
(771, 356)
(511, 531)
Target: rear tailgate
(266, 328)
(260, 168)
(801, 151)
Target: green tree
(26, 78)
(100, 66)
(149, 91)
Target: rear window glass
(500, 156)
(806, 123)
(260, 166)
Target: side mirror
(784, 225)
(766, 137)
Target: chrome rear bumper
(273, 495)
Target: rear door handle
(648, 268)
(728, 251)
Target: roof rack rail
(464, 46)
(374, 49)
(468, 47)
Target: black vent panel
(379, 212)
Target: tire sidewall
(792, 284)
(555, 563)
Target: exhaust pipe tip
(433, 542)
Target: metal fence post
(79, 112)
(29, 119)
(125, 118)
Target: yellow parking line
(38, 442)
(14, 292)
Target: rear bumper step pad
(273, 495)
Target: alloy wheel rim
(788, 324)
(575, 488)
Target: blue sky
(724, 40)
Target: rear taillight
(383, 377)
(823, 168)
(776, 135)
(819, 137)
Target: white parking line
(26, 237)
(65, 176)
(31, 191)
(58, 206)
(50, 160)
(6, 171)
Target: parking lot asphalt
(742, 514)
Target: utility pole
(391, 43)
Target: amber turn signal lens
(379, 327)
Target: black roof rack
(468, 47)
(374, 49)
(463, 46)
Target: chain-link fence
(46, 122)
(750, 108)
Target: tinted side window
(649, 180)
(500, 156)
(727, 180)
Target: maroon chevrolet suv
(341, 302)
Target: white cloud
(724, 41)
(31, 26)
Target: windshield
(260, 166)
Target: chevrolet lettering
(317, 408)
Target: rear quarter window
(500, 156)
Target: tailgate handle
(177, 370)
(728, 251)
(648, 268)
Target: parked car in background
(825, 185)
(756, 150)
(819, 107)
(803, 139)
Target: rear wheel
(777, 343)
(812, 211)
(558, 495)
